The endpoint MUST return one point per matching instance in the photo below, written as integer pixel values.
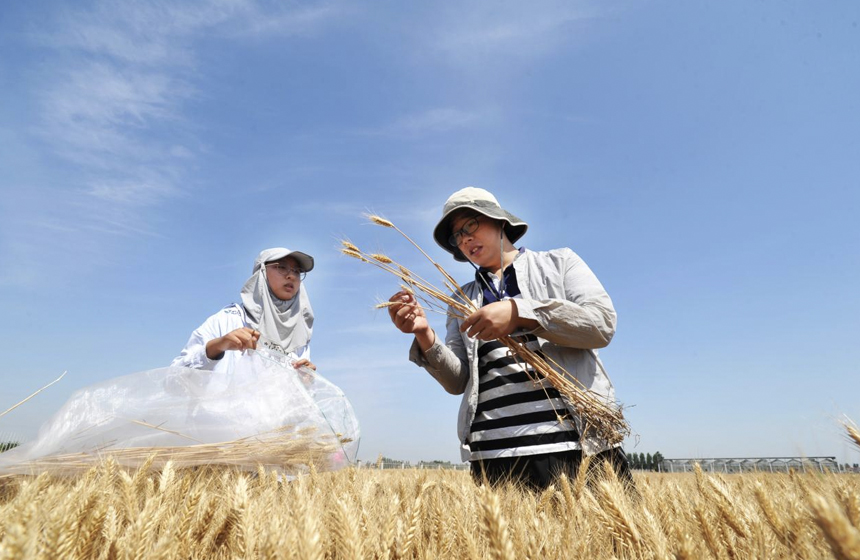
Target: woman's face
(483, 245)
(284, 277)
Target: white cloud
(431, 121)
(109, 96)
(435, 120)
(333, 209)
(515, 29)
(297, 22)
(112, 89)
(158, 32)
(182, 152)
(98, 112)
(124, 72)
(131, 193)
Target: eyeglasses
(285, 270)
(468, 228)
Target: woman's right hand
(240, 339)
(409, 317)
(406, 313)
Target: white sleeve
(584, 318)
(447, 361)
(302, 352)
(194, 353)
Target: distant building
(752, 464)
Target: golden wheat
(853, 433)
(170, 511)
(293, 450)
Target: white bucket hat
(483, 202)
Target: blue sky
(702, 157)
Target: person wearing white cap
(275, 311)
(511, 427)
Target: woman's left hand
(304, 362)
(492, 321)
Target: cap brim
(306, 262)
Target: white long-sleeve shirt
(226, 320)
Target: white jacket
(575, 315)
(228, 319)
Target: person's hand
(304, 362)
(407, 314)
(492, 321)
(240, 339)
(302, 366)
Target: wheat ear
(844, 540)
(494, 527)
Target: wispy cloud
(158, 32)
(100, 116)
(334, 209)
(432, 121)
(516, 29)
(123, 75)
(304, 21)
(435, 120)
(113, 89)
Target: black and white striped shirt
(518, 413)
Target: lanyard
(501, 292)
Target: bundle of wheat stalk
(286, 448)
(599, 419)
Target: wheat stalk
(852, 431)
(770, 513)
(617, 513)
(13, 407)
(283, 447)
(346, 530)
(495, 527)
(414, 523)
(706, 528)
(844, 539)
(308, 524)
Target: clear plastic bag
(261, 399)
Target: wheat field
(110, 512)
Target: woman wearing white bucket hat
(275, 309)
(509, 426)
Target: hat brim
(306, 262)
(514, 227)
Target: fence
(390, 464)
(9, 440)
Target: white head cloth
(288, 323)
